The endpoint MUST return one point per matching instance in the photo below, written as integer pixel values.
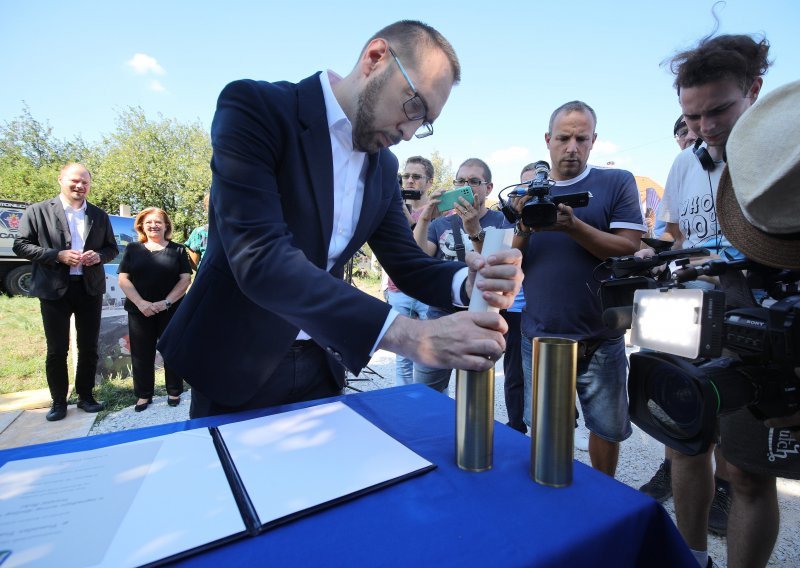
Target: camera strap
(458, 242)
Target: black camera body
(413, 194)
(542, 210)
(677, 400)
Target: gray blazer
(44, 231)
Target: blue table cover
(446, 517)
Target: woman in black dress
(154, 275)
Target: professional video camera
(678, 389)
(542, 210)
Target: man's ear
(376, 51)
(489, 187)
(547, 139)
(755, 89)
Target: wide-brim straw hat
(758, 200)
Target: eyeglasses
(414, 108)
(472, 182)
(415, 177)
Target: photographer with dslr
(716, 82)
(561, 287)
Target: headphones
(705, 159)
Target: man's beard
(363, 133)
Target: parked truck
(15, 272)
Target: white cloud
(156, 86)
(143, 64)
(604, 148)
(511, 155)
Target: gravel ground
(640, 455)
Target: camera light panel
(668, 321)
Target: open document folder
(162, 498)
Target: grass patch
(22, 345)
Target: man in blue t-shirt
(562, 277)
(452, 236)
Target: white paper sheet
(300, 459)
(124, 505)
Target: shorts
(752, 447)
(601, 386)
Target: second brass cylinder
(553, 410)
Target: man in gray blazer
(68, 239)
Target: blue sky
(76, 65)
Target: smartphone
(449, 199)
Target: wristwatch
(479, 237)
(168, 304)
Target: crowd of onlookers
(302, 179)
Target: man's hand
(469, 216)
(430, 212)
(69, 257)
(89, 258)
(466, 340)
(502, 276)
(565, 220)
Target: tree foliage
(143, 163)
(443, 173)
(31, 158)
(155, 163)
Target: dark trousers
(144, 333)
(514, 385)
(302, 375)
(55, 319)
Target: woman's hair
(138, 224)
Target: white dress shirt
(76, 220)
(349, 173)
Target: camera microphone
(542, 170)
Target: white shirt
(76, 220)
(349, 173)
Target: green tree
(31, 158)
(443, 173)
(155, 163)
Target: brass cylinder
(553, 410)
(474, 419)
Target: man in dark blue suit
(302, 177)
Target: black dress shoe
(143, 406)
(89, 404)
(173, 401)
(57, 412)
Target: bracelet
(518, 231)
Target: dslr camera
(682, 380)
(542, 209)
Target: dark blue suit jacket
(263, 276)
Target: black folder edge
(248, 511)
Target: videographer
(717, 81)
(758, 204)
(561, 289)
